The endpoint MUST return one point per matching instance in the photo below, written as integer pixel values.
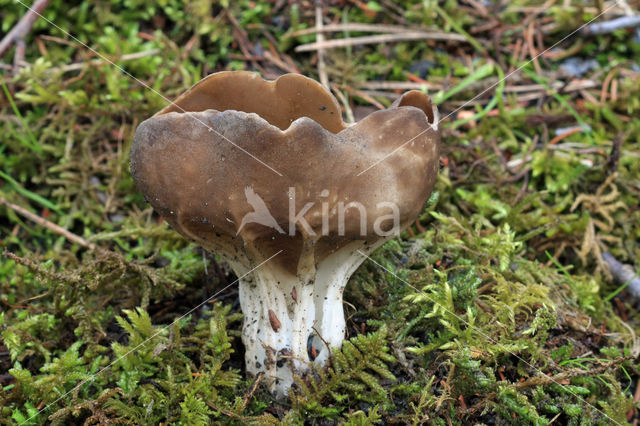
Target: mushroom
(267, 175)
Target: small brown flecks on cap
(275, 322)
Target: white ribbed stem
(283, 314)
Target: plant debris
(500, 305)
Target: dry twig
(372, 28)
(20, 30)
(542, 380)
(49, 225)
(379, 39)
(322, 66)
(252, 390)
(397, 85)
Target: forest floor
(505, 303)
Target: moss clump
(494, 308)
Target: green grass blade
(459, 29)
(561, 99)
(498, 95)
(482, 72)
(30, 195)
(31, 142)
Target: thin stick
(345, 103)
(18, 57)
(397, 85)
(323, 341)
(60, 41)
(364, 96)
(566, 134)
(322, 66)
(572, 86)
(407, 85)
(379, 39)
(529, 96)
(22, 28)
(96, 62)
(280, 63)
(605, 84)
(49, 225)
(379, 93)
(515, 54)
(623, 274)
(541, 380)
(479, 7)
(252, 390)
(531, 47)
(373, 28)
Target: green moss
(494, 308)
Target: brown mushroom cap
(280, 102)
(197, 180)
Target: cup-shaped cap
(238, 162)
